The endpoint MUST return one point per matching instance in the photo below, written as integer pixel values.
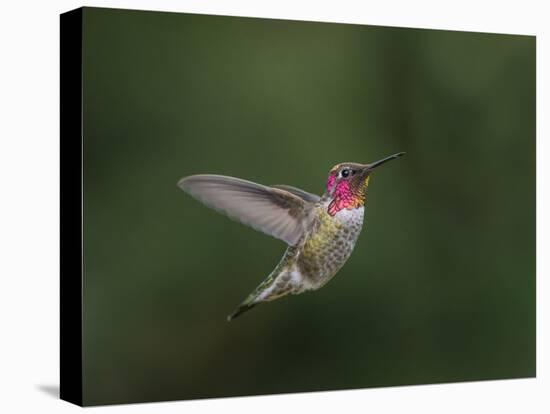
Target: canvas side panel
(71, 206)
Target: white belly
(352, 217)
(330, 247)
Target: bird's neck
(346, 196)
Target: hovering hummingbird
(321, 232)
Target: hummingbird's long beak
(370, 167)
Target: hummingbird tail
(241, 309)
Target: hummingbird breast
(329, 244)
(316, 258)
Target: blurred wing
(273, 211)
(312, 198)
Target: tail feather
(251, 300)
(241, 309)
(258, 296)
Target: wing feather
(312, 198)
(273, 211)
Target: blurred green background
(441, 285)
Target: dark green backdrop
(441, 286)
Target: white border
(29, 177)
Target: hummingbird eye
(345, 173)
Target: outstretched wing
(312, 198)
(273, 211)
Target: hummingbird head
(347, 183)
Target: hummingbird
(320, 231)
